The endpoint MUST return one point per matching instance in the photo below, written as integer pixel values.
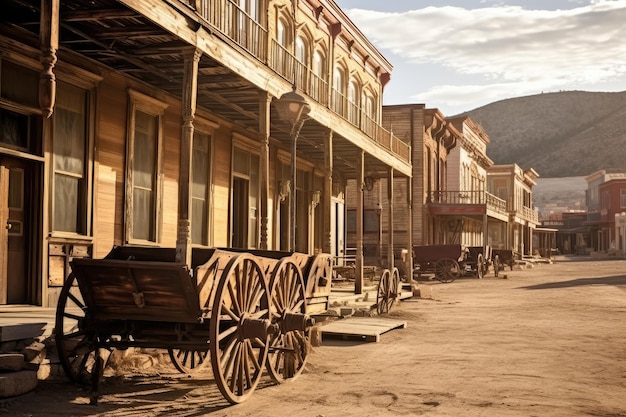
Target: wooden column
(409, 228)
(264, 136)
(360, 173)
(190, 93)
(390, 254)
(328, 191)
(49, 42)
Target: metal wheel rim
(238, 362)
(480, 266)
(188, 361)
(75, 339)
(383, 293)
(288, 351)
(447, 270)
(496, 266)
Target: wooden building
(514, 185)
(470, 210)
(154, 123)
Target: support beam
(409, 228)
(390, 254)
(328, 191)
(264, 136)
(360, 173)
(49, 42)
(189, 94)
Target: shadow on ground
(616, 280)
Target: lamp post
(293, 108)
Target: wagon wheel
(496, 265)
(188, 361)
(480, 266)
(75, 336)
(383, 295)
(447, 270)
(289, 348)
(239, 328)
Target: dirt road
(547, 341)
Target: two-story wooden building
(155, 123)
(514, 185)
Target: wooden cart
(479, 260)
(501, 257)
(245, 312)
(446, 262)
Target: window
(143, 169)
(371, 221)
(69, 160)
(338, 89)
(318, 87)
(353, 102)
(622, 198)
(245, 199)
(201, 166)
(302, 56)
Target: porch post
(328, 191)
(390, 254)
(189, 94)
(360, 172)
(409, 228)
(49, 42)
(264, 133)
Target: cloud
(513, 48)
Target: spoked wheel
(387, 290)
(289, 348)
(447, 270)
(239, 328)
(189, 361)
(76, 337)
(480, 266)
(496, 265)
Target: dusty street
(546, 341)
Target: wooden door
(14, 235)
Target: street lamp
(293, 108)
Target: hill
(564, 134)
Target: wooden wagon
(244, 312)
(502, 257)
(479, 260)
(446, 262)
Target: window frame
(86, 208)
(156, 108)
(208, 129)
(242, 144)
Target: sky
(457, 55)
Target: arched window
(281, 33)
(302, 64)
(318, 83)
(338, 91)
(302, 53)
(353, 102)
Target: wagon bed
(232, 307)
(446, 262)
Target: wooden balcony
(467, 203)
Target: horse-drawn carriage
(242, 311)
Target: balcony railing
(232, 21)
(236, 24)
(530, 214)
(492, 202)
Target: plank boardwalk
(367, 329)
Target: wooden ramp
(367, 329)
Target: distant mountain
(565, 134)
